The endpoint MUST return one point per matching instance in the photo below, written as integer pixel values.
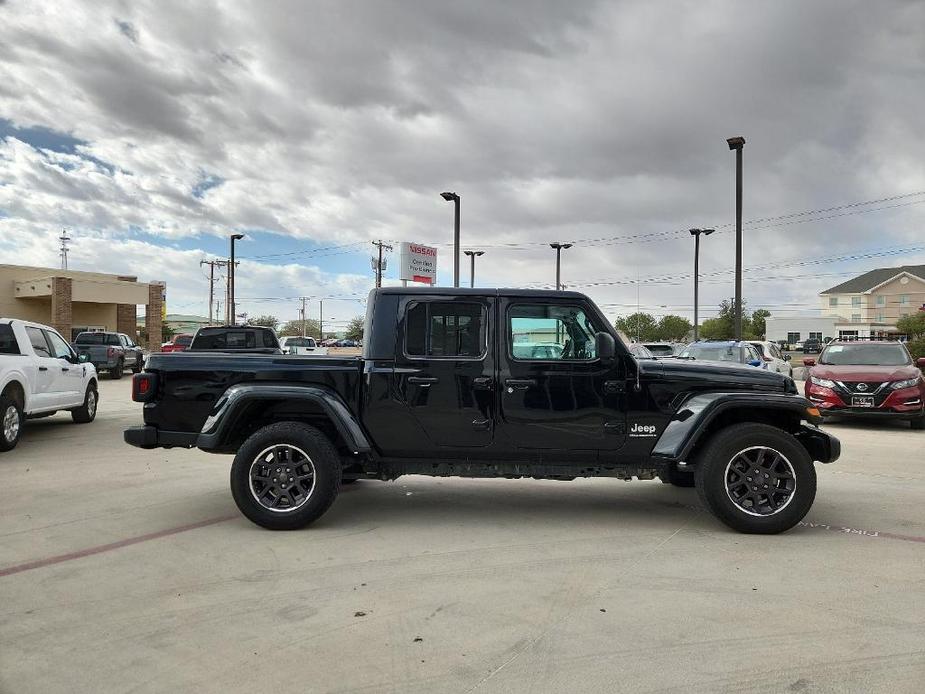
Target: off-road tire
(86, 413)
(6, 402)
(116, 373)
(327, 473)
(139, 366)
(722, 449)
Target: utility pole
(380, 245)
(64, 239)
(211, 264)
(231, 303)
(737, 144)
(320, 320)
(696, 234)
(303, 299)
(559, 246)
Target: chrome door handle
(43, 368)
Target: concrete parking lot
(125, 570)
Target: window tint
(98, 339)
(758, 346)
(39, 344)
(556, 332)
(228, 339)
(866, 355)
(712, 352)
(8, 344)
(59, 347)
(184, 340)
(445, 329)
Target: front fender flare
(696, 413)
(223, 418)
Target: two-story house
(869, 305)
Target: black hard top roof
(233, 327)
(479, 291)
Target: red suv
(179, 343)
(867, 379)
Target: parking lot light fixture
(696, 234)
(559, 246)
(472, 256)
(737, 144)
(454, 198)
(231, 304)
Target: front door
(444, 372)
(44, 396)
(556, 395)
(68, 374)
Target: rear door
(556, 395)
(43, 392)
(445, 370)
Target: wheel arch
(13, 388)
(244, 409)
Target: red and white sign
(417, 263)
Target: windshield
(184, 340)
(660, 350)
(713, 352)
(97, 339)
(865, 355)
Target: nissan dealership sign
(417, 263)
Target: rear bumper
(151, 437)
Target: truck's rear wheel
(116, 373)
(756, 478)
(11, 421)
(285, 476)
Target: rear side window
(445, 329)
(8, 344)
(39, 343)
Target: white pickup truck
(40, 374)
(302, 345)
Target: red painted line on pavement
(79, 554)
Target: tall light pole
(559, 246)
(453, 197)
(738, 143)
(231, 306)
(472, 256)
(696, 234)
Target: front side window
(445, 329)
(59, 348)
(539, 332)
(38, 341)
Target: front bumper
(870, 413)
(148, 437)
(821, 445)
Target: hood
(717, 374)
(864, 373)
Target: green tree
(673, 328)
(757, 326)
(355, 328)
(641, 327)
(716, 329)
(294, 328)
(266, 321)
(913, 325)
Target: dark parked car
(812, 346)
(868, 379)
(441, 391)
(236, 338)
(111, 352)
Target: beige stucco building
(72, 300)
(869, 305)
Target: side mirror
(83, 358)
(809, 362)
(754, 362)
(920, 362)
(786, 357)
(604, 346)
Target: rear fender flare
(219, 424)
(693, 418)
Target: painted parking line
(860, 532)
(99, 549)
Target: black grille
(877, 389)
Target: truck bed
(190, 383)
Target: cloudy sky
(152, 130)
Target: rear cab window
(8, 343)
(436, 329)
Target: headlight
(908, 383)
(824, 382)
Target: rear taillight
(111, 352)
(144, 387)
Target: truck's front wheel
(756, 478)
(285, 476)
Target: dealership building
(72, 301)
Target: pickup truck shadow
(868, 424)
(413, 500)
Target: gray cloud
(337, 121)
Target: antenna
(64, 239)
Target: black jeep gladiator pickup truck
(450, 383)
